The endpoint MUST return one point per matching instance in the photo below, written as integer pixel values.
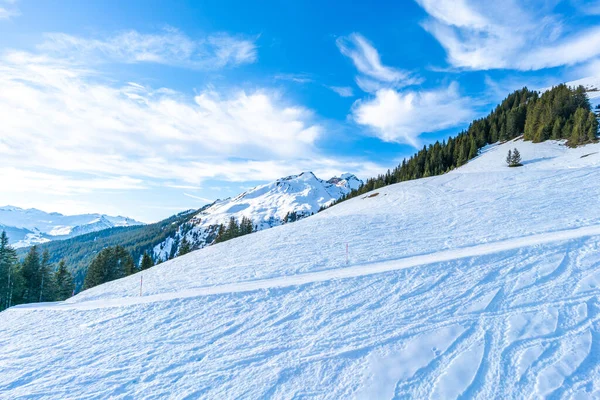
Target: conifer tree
(147, 262)
(63, 282)
(557, 129)
(579, 131)
(109, 264)
(31, 275)
(592, 127)
(472, 149)
(509, 157)
(516, 158)
(10, 278)
(47, 289)
(233, 229)
(221, 234)
(184, 247)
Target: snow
(27, 227)
(266, 205)
(481, 283)
(592, 86)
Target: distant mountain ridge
(284, 200)
(281, 201)
(26, 227)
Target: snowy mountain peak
(26, 227)
(347, 180)
(284, 200)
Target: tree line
(234, 229)
(34, 279)
(560, 113)
(79, 252)
(112, 263)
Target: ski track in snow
(339, 273)
(455, 315)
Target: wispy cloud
(485, 35)
(297, 78)
(402, 117)
(191, 196)
(18, 180)
(343, 91)
(366, 59)
(170, 47)
(392, 112)
(8, 9)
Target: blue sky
(146, 108)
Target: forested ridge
(78, 252)
(33, 279)
(559, 113)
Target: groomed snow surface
(481, 283)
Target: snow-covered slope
(481, 283)
(592, 86)
(285, 200)
(26, 227)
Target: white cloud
(403, 116)
(16, 180)
(367, 61)
(343, 91)
(170, 47)
(8, 9)
(61, 117)
(297, 78)
(66, 131)
(511, 34)
(400, 116)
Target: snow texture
(481, 283)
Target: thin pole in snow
(141, 281)
(346, 253)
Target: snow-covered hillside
(26, 227)
(481, 283)
(592, 86)
(285, 200)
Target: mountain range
(284, 200)
(26, 227)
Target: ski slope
(481, 283)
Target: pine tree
(578, 134)
(63, 282)
(47, 291)
(109, 264)
(509, 158)
(31, 275)
(233, 229)
(472, 149)
(246, 226)
(147, 262)
(10, 278)
(557, 129)
(513, 158)
(221, 234)
(184, 247)
(516, 158)
(592, 127)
